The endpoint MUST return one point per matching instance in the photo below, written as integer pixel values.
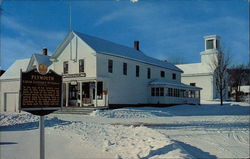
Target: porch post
(95, 93)
(67, 94)
(80, 94)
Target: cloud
(130, 12)
(24, 30)
(18, 48)
(21, 41)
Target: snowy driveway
(206, 131)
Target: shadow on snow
(196, 110)
(191, 151)
(34, 125)
(201, 125)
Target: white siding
(129, 89)
(9, 92)
(80, 50)
(203, 81)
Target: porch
(87, 93)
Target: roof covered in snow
(13, 71)
(42, 59)
(195, 68)
(107, 47)
(172, 83)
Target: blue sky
(166, 29)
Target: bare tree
(219, 64)
(238, 75)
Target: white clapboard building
(98, 72)
(202, 74)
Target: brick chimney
(136, 45)
(45, 51)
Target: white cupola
(212, 47)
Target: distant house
(97, 73)
(202, 74)
(241, 84)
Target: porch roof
(173, 84)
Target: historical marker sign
(40, 93)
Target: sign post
(42, 138)
(41, 94)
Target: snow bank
(122, 141)
(127, 142)
(123, 113)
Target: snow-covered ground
(183, 131)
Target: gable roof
(39, 59)
(13, 72)
(110, 48)
(195, 68)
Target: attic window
(65, 67)
(81, 65)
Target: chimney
(45, 50)
(136, 45)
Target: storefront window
(99, 90)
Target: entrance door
(86, 94)
(73, 94)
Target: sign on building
(40, 93)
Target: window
(162, 74)
(217, 44)
(174, 76)
(99, 90)
(110, 66)
(125, 68)
(157, 91)
(210, 44)
(178, 93)
(197, 94)
(81, 65)
(65, 67)
(152, 91)
(149, 73)
(170, 91)
(137, 71)
(192, 84)
(161, 91)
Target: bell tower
(212, 47)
